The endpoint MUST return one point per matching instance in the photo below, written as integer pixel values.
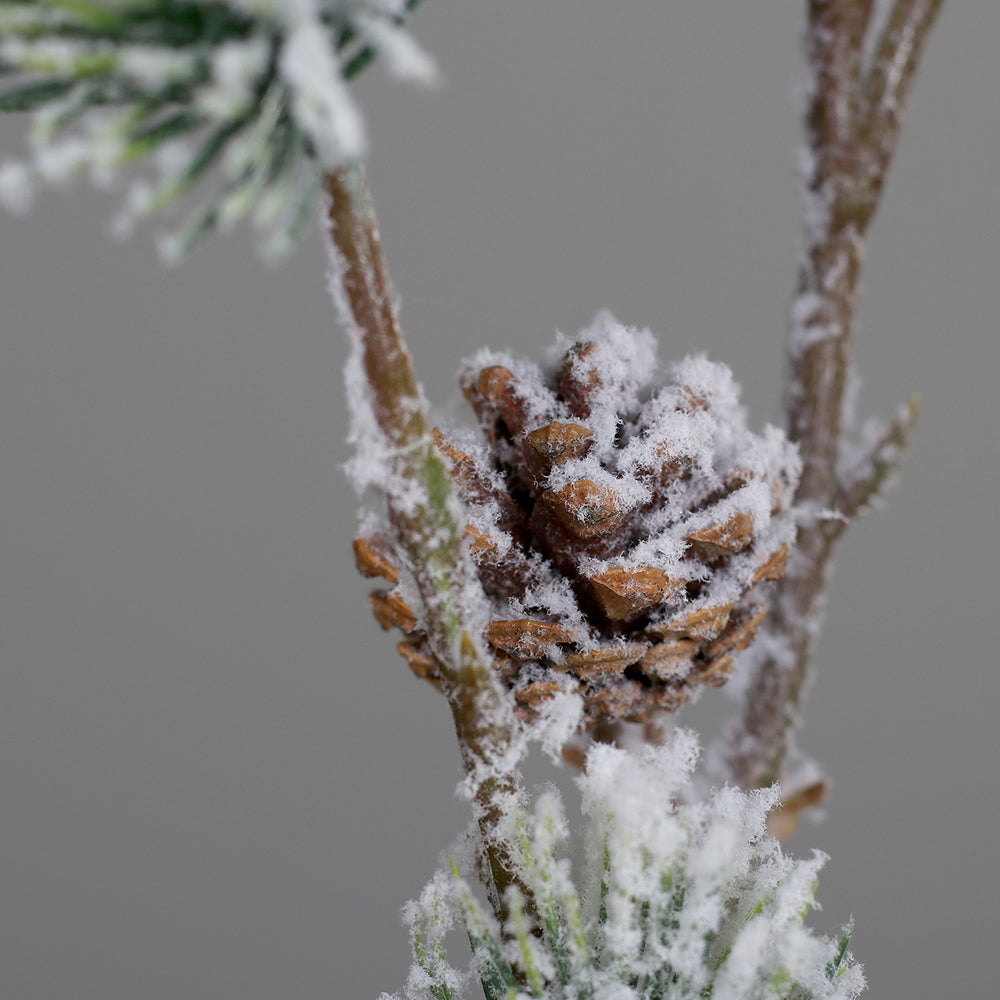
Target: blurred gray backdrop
(218, 780)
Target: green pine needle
(833, 969)
(175, 88)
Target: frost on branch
(254, 90)
(622, 519)
(664, 900)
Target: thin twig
(897, 54)
(852, 125)
(862, 484)
(425, 518)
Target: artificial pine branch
(852, 125)
(261, 94)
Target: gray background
(217, 779)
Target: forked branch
(853, 118)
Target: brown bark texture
(859, 89)
(429, 531)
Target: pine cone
(623, 524)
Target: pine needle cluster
(670, 901)
(251, 92)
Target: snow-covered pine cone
(622, 520)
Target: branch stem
(425, 515)
(852, 127)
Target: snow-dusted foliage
(662, 900)
(254, 90)
(623, 519)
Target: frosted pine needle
(660, 900)
(250, 93)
